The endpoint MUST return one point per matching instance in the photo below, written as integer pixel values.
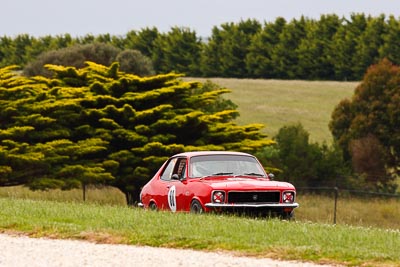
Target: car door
(173, 184)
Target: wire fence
(337, 192)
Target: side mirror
(175, 177)
(271, 176)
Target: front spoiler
(253, 205)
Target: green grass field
(313, 208)
(276, 103)
(271, 238)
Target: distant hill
(277, 103)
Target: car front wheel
(288, 215)
(153, 206)
(195, 207)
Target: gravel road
(21, 251)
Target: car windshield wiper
(216, 174)
(254, 174)
(222, 173)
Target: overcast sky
(117, 17)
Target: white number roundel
(172, 198)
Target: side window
(181, 168)
(167, 173)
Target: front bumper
(253, 205)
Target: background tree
(211, 57)
(35, 132)
(324, 49)
(179, 50)
(144, 41)
(373, 112)
(368, 159)
(100, 125)
(41, 45)
(315, 50)
(345, 45)
(307, 164)
(259, 58)
(20, 48)
(5, 51)
(133, 61)
(218, 104)
(295, 155)
(72, 56)
(391, 38)
(368, 45)
(328, 48)
(24, 48)
(230, 45)
(285, 57)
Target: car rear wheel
(153, 206)
(195, 207)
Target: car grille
(253, 197)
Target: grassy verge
(364, 212)
(244, 236)
(97, 195)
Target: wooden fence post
(335, 209)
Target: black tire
(195, 207)
(287, 215)
(153, 206)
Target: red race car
(218, 181)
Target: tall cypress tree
(100, 125)
(259, 59)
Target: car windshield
(210, 165)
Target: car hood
(244, 183)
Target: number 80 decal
(172, 198)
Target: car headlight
(218, 197)
(288, 197)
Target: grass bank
(244, 236)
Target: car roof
(203, 153)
